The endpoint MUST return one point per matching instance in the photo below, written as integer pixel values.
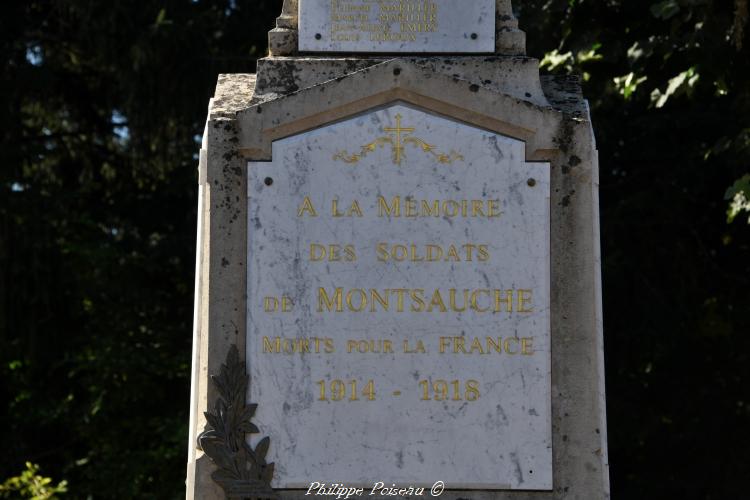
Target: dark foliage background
(104, 104)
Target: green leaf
(636, 52)
(665, 10)
(739, 198)
(628, 84)
(590, 55)
(553, 60)
(31, 485)
(683, 82)
(161, 16)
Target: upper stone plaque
(397, 26)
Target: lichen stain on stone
(564, 138)
(566, 199)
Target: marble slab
(384, 253)
(397, 26)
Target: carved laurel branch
(242, 472)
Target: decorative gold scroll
(398, 138)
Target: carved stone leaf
(222, 384)
(220, 408)
(215, 422)
(262, 448)
(242, 472)
(249, 411)
(251, 457)
(267, 472)
(248, 428)
(238, 403)
(232, 380)
(209, 434)
(224, 478)
(219, 453)
(243, 467)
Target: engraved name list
(397, 25)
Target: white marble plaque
(395, 26)
(398, 305)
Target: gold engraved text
(511, 346)
(420, 300)
(313, 345)
(412, 208)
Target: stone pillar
(288, 17)
(282, 40)
(510, 40)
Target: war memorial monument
(398, 287)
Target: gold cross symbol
(399, 148)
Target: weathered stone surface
(564, 94)
(397, 26)
(515, 76)
(487, 240)
(499, 95)
(282, 41)
(233, 92)
(397, 79)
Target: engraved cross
(398, 129)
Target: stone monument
(398, 276)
